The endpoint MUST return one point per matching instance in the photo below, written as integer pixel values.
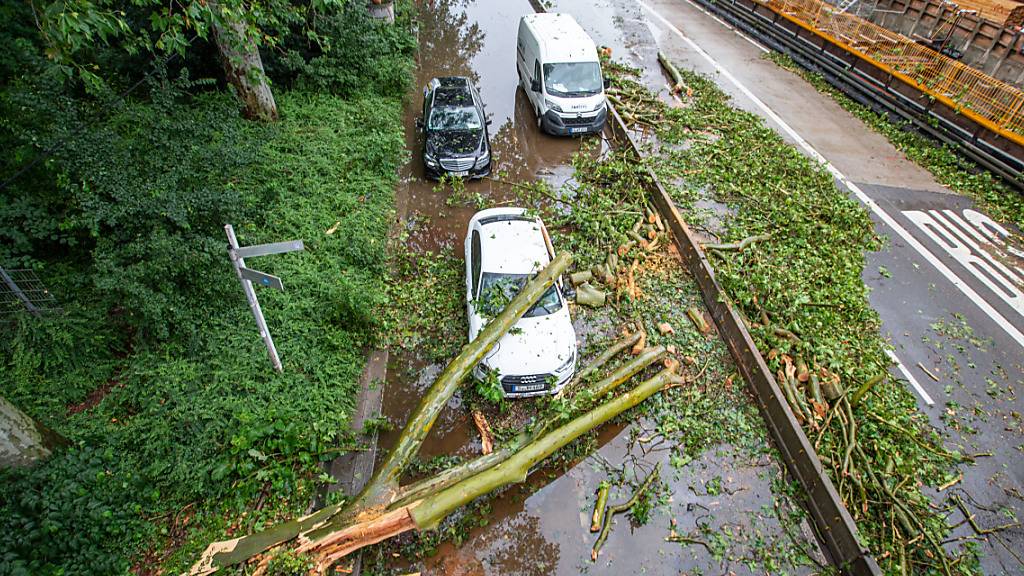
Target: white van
(561, 74)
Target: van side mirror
(535, 85)
(489, 121)
(607, 82)
(419, 123)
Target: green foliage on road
(801, 292)
(942, 160)
(181, 431)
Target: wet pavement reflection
(542, 527)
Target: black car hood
(448, 143)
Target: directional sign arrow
(266, 249)
(262, 278)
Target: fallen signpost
(248, 276)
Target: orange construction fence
(990, 102)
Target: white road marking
(992, 273)
(969, 292)
(910, 377)
(756, 44)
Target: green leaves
(73, 516)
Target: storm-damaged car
(505, 247)
(454, 128)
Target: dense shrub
(72, 516)
(204, 418)
(155, 358)
(144, 194)
(363, 56)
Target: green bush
(74, 515)
(364, 57)
(142, 198)
(156, 357)
(203, 418)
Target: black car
(454, 129)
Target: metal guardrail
(861, 81)
(992, 103)
(834, 525)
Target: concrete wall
(986, 46)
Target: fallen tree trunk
(382, 489)
(433, 509)
(600, 361)
(425, 514)
(384, 481)
(462, 471)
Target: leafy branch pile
(798, 284)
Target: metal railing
(995, 104)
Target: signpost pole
(250, 295)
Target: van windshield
(454, 118)
(573, 78)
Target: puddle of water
(474, 39)
(542, 526)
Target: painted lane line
(910, 377)
(884, 216)
(756, 44)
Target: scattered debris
(698, 320)
(597, 519)
(587, 295)
(620, 508)
(486, 438)
(928, 372)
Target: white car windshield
(454, 118)
(573, 78)
(497, 290)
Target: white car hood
(541, 345)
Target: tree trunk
(425, 514)
(382, 10)
(23, 441)
(384, 484)
(328, 538)
(243, 66)
(382, 489)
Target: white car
(505, 247)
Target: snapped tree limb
(425, 514)
(382, 489)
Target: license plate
(529, 388)
(578, 130)
(460, 173)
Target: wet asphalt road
(949, 286)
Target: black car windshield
(573, 78)
(497, 290)
(454, 118)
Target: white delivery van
(561, 74)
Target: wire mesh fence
(992, 102)
(21, 290)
